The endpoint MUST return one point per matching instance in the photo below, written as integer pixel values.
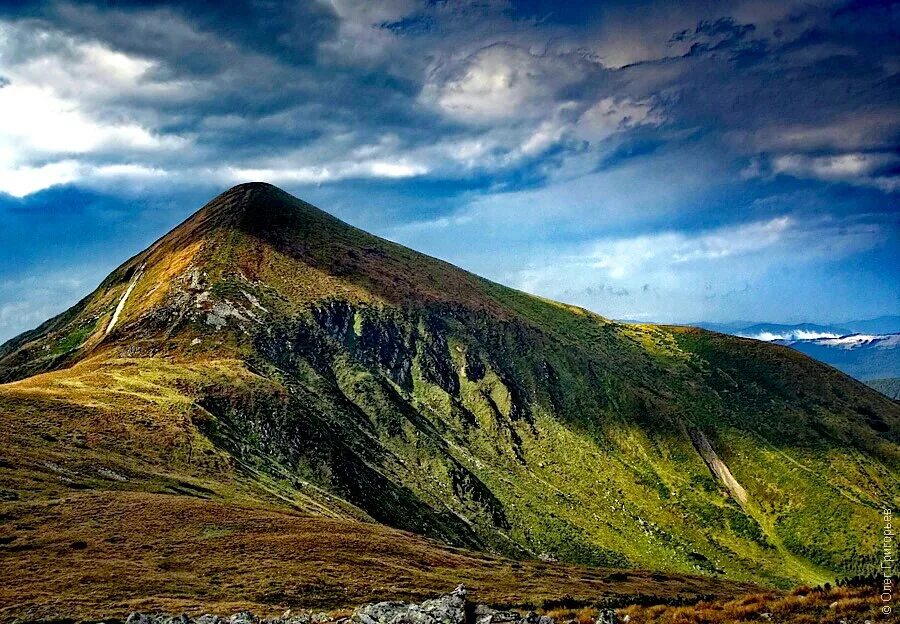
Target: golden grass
(103, 554)
(839, 605)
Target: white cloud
(22, 180)
(499, 82)
(676, 273)
(862, 130)
(626, 257)
(796, 334)
(52, 109)
(329, 173)
(767, 241)
(360, 36)
(611, 115)
(855, 168)
(35, 121)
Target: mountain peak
(256, 207)
(252, 255)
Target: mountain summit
(268, 353)
(251, 243)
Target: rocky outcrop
(452, 608)
(717, 466)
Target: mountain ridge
(848, 347)
(264, 350)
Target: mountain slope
(849, 347)
(864, 356)
(265, 351)
(890, 386)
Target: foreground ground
(103, 554)
(839, 605)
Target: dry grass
(103, 554)
(839, 605)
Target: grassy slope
(114, 501)
(271, 353)
(103, 554)
(839, 605)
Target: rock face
(452, 608)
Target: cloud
(866, 169)
(861, 130)
(688, 271)
(22, 180)
(611, 115)
(51, 108)
(501, 81)
(621, 258)
(800, 239)
(36, 121)
(341, 171)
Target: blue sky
(666, 161)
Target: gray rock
(606, 616)
(530, 618)
(381, 612)
(449, 609)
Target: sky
(654, 161)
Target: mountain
(881, 325)
(863, 356)
(847, 347)
(890, 387)
(772, 331)
(802, 331)
(265, 355)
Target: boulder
(448, 609)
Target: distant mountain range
(866, 349)
(805, 331)
(887, 387)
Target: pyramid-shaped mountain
(266, 352)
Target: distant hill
(880, 325)
(889, 387)
(863, 356)
(848, 347)
(804, 331)
(265, 355)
